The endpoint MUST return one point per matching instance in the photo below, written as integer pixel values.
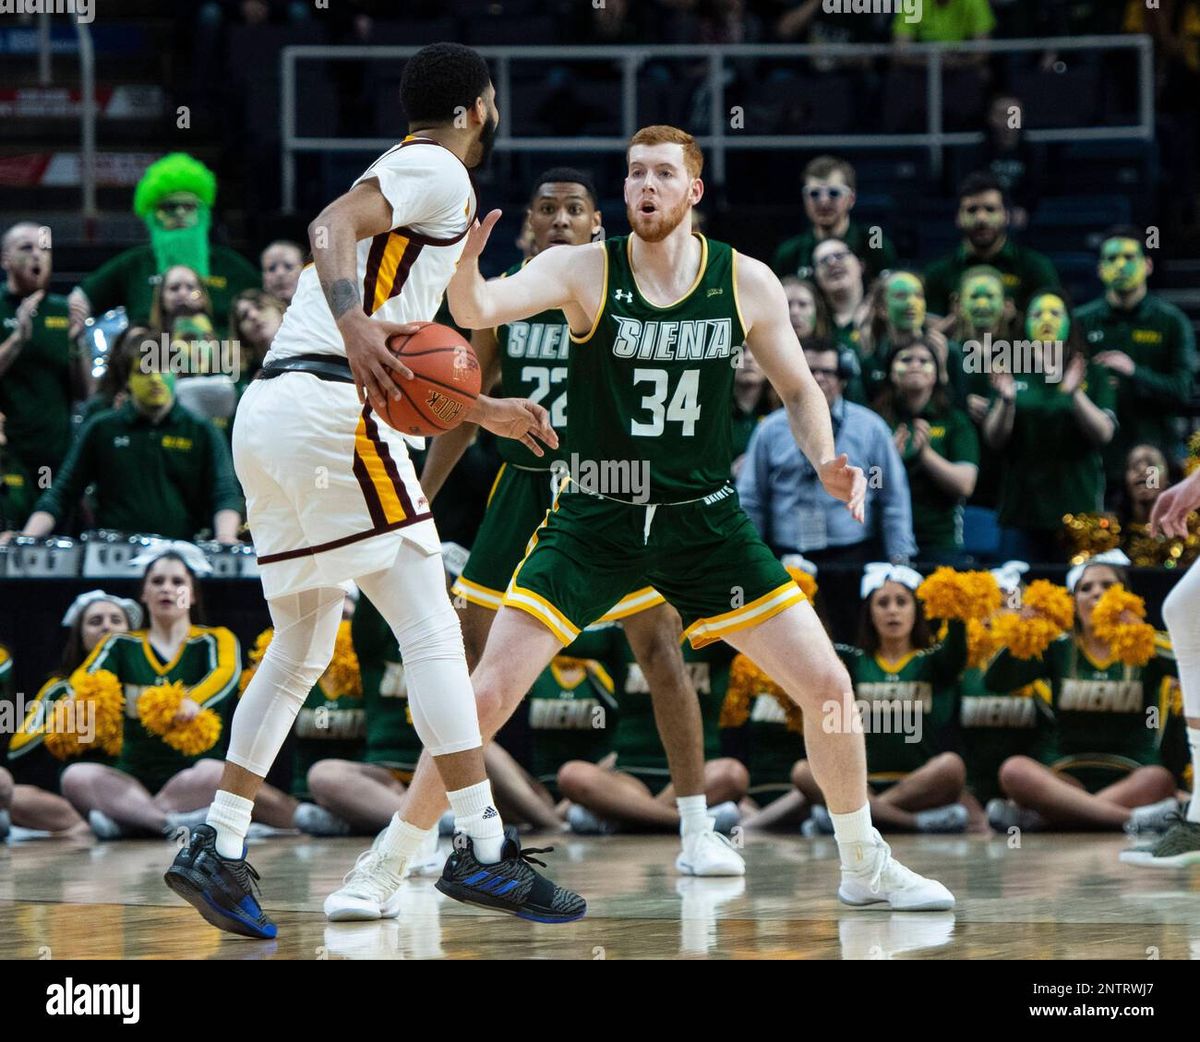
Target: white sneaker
(1154, 817)
(429, 860)
(315, 820)
(104, 827)
(883, 880)
(708, 853)
(369, 890)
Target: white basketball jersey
(402, 273)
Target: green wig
(177, 172)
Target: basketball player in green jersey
(530, 359)
(656, 320)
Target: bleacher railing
(721, 137)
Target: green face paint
(983, 302)
(152, 391)
(1122, 264)
(905, 301)
(1047, 319)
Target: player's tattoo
(342, 296)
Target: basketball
(445, 381)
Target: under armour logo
(625, 295)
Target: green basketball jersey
(1104, 710)
(208, 663)
(572, 715)
(904, 705)
(533, 365)
(650, 387)
(391, 737)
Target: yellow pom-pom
(104, 689)
(342, 678)
(806, 582)
(198, 735)
(253, 657)
(62, 737)
(981, 643)
(1051, 601)
(158, 706)
(747, 682)
(1131, 642)
(1025, 637)
(948, 594)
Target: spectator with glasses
(829, 197)
(783, 495)
(983, 218)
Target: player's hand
(1117, 361)
(373, 363)
(477, 237)
(845, 483)
(516, 418)
(1170, 512)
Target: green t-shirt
(167, 478)
(1151, 402)
(1109, 714)
(949, 22)
(1049, 467)
(208, 663)
(907, 707)
(131, 277)
(937, 515)
(651, 386)
(533, 365)
(35, 391)
(794, 255)
(1025, 272)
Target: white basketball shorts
(331, 493)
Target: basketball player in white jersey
(332, 496)
(1180, 844)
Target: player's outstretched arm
(447, 449)
(550, 280)
(770, 336)
(334, 234)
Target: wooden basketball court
(1056, 897)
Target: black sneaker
(221, 889)
(510, 885)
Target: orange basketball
(445, 381)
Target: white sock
(854, 834)
(1193, 811)
(476, 815)
(693, 814)
(230, 816)
(402, 840)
